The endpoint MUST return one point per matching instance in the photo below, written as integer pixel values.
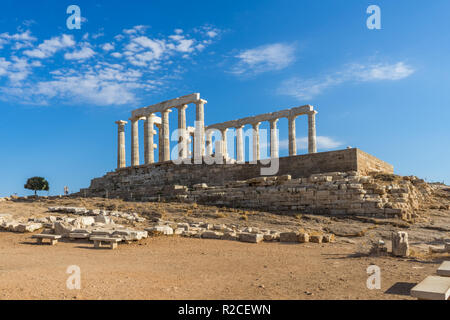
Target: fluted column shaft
(312, 139)
(292, 136)
(121, 160)
(199, 146)
(239, 145)
(273, 138)
(256, 148)
(224, 142)
(209, 146)
(182, 134)
(149, 153)
(165, 135)
(134, 142)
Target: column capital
(255, 125)
(182, 107)
(201, 101)
(121, 122)
(274, 120)
(314, 112)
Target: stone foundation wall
(334, 182)
(138, 178)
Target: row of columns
(274, 143)
(151, 120)
(185, 134)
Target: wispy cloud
(323, 142)
(303, 89)
(264, 58)
(115, 72)
(50, 47)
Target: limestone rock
(289, 237)
(251, 237)
(400, 245)
(316, 238)
(303, 237)
(212, 235)
(328, 238)
(165, 230)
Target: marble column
(165, 135)
(292, 137)
(121, 161)
(160, 142)
(224, 143)
(256, 148)
(312, 140)
(273, 138)
(135, 142)
(149, 153)
(209, 145)
(199, 146)
(240, 158)
(182, 134)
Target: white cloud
(123, 70)
(265, 58)
(304, 89)
(82, 54)
(323, 143)
(108, 47)
(51, 46)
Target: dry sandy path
(182, 268)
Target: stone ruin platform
(336, 182)
(132, 181)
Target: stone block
(289, 236)
(303, 237)
(271, 236)
(444, 269)
(230, 236)
(432, 288)
(212, 235)
(165, 230)
(250, 237)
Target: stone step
(432, 288)
(444, 269)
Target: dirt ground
(185, 268)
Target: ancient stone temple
(203, 145)
(202, 171)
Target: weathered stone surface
(250, 237)
(63, 228)
(102, 219)
(271, 236)
(400, 245)
(328, 238)
(230, 236)
(212, 235)
(378, 249)
(289, 237)
(432, 288)
(444, 269)
(165, 230)
(316, 238)
(303, 237)
(28, 227)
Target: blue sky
(384, 91)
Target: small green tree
(37, 184)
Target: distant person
(66, 190)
